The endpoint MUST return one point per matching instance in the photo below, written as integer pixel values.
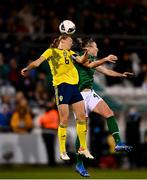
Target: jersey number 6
(66, 61)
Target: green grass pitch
(63, 172)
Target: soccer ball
(67, 27)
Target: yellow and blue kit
(65, 75)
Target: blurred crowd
(28, 26)
(96, 16)
(25, 32)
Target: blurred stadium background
(27, 27)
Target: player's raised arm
(93, 64)
(110, 58)
(82, 59)
(32, 65)
(112, 73)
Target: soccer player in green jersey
(93, 102)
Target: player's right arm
(32, 65)
(36, 63)
(110, 58)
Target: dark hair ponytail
(81, 44)
(86, 42)
(55, 43)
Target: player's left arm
(112, 73)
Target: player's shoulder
(59, 51)
(48, 50)
(54, 51)
(72, 52)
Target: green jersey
(85, 76)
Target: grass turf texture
(37, 172)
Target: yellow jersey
(61, 65)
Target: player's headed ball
(67, 27)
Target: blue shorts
(67, 94)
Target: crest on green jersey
(91, 58)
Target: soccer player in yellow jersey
(65, 80)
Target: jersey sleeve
(47, 54)
(73, 55)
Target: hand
(127, 74)
(111, 58)
(24, 72)
(85, 57)
(86, 53)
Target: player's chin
(68, 48)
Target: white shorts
(91, 99)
